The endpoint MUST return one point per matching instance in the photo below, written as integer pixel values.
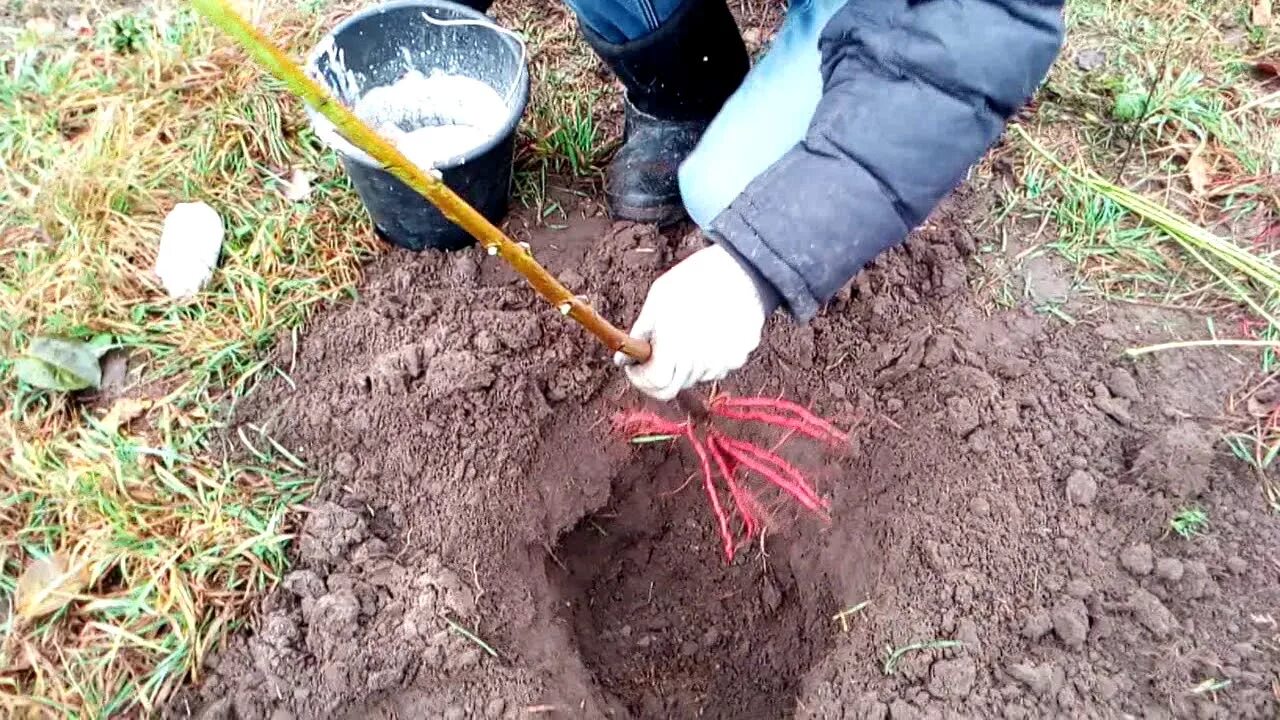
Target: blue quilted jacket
(915, 91)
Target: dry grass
(1175, 111)
(171, 542)
(574, 114)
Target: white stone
(189, 248)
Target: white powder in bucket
(432, 119)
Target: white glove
(703, 317)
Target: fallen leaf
(124, 411)
(47, 585)
(298, 187)
(1198, 171)
(58, 364)
(1261, 15)
(1260, 407)
(1267, 68)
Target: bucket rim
(515, 112)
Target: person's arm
(914, 94)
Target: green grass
(894, 655)
(1164, 95)
(1189, 522)
(569, 126)
(98, 138)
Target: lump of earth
(1081, 488)
(950, 679)
(455, 372)
(1177, 460)
(1196, 580)
(1122, 385)
(328, 532)
(1042, 680)
(1037, 625)
(1138, 559)
(1152, 614)
(1071, 622)
(1169, 569)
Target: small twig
(891, 662)
(650, 439)
(1186, 344)
(475, 580)
(470, 636)
(1146, 114)
(546, 546)
(843, 616)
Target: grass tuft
(894, 655)
(99, 137)
(1162, 102)
(1189, 522)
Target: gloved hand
(703, 317)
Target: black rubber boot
(676, 78)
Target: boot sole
(660, 215)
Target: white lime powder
(433, 119)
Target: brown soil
(1009, 487)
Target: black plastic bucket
(377, 47)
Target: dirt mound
(484, 549)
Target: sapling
(717, 452)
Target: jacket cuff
(780, 284)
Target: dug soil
(483, 546)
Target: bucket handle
(524, 50)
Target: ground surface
(1010, 487)
(480, 545)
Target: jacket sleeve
(914, 92)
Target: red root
(777, 471)
(779, 413)
(731, 459)
(708, 482)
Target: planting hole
(666, 627)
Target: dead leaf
(1198, 171)
(1261, 15)
(124, 411)
(298, 187)
(1267, 68)
(61, 364)
(47, 585)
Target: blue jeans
(621, 20)
(767, 116)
